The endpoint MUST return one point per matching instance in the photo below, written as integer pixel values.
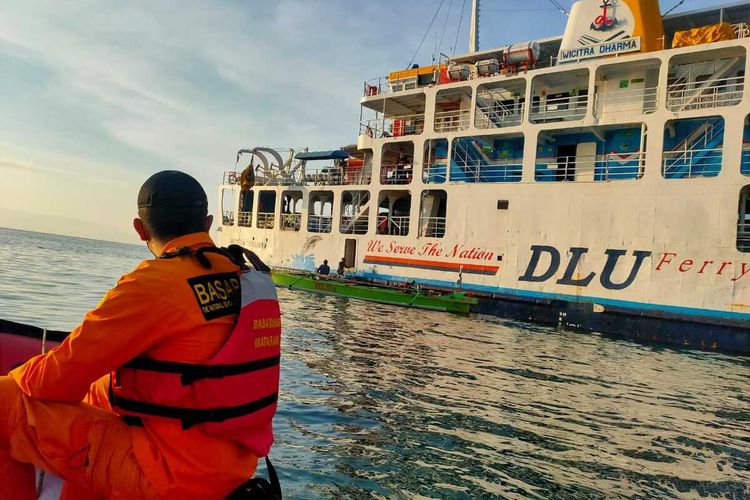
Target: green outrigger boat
(456, 302)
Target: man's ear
(140, 228)
(209, 221)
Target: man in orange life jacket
(168, 387)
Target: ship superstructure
(599, 180)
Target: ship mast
(474, 27)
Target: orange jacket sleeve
(125, 324)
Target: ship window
(435, 161)
(245, 213)
(500, 104)
(598, 154)
(693, 148)
(559, 96)
(705, 80)
(432, 214)
(394, 209)
(355, 211)
(453, 110)
(228, 205)
(320, 212)
(494, 158)
(291, 210)
(266, 209)
(743, 222)
(396, 163)
(358, 168)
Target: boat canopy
(336, 154)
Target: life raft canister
(233, 395)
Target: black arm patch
(217, 294)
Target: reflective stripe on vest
(233, 395)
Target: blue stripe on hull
(674, 325)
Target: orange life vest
(233, 395)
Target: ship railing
(743, 236)
(244, 219)
(376, 86)
(354, 224)
(687, 164)
(231, 177)
(393, 126)
(291, 222)
(591, 168)
(705, 94)
(394, 173)
(435, 172)
(498, 115)
(502, 170)
(451, 121)
(333, 175)
(265, 220)
(227, 218)
(742, 30)
(319, 223)
(644, 100)
(432, 227)
(393, 225)
(559, 108)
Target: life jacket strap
(189, 372)
(192, 416)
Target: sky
(97, 95)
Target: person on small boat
(324, 268)
(168, 387)
(342, 267)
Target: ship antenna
(426, 33)
(474, 27)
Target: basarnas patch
(217, 294)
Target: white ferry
(599, 180)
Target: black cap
(173, 189)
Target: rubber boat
(456, 302)
(20, 342)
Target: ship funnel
(604, 28)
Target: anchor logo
(603, 21)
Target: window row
(694, 81)
(357, 214)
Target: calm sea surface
(384, 402)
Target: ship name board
(621, 46)
(546, 261)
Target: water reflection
(394, 401)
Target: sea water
(379, 401)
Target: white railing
(396, 225)
(497, 115)
(337, 176)
(291, 222)
(742, 30)
(396, 173)
(227, 218)
(559, 108)
(691, 163)
(265, 220)
(745, 162)
(376, 86)
(642, 101)
(244, 219)
(393, 126)
(435, 173)
(743, 236)
(504, 170)
(451, 121)
(432, 227)
(705, 94)
(319, 223)
(232, 177)
(354, 224)
(591, 168)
